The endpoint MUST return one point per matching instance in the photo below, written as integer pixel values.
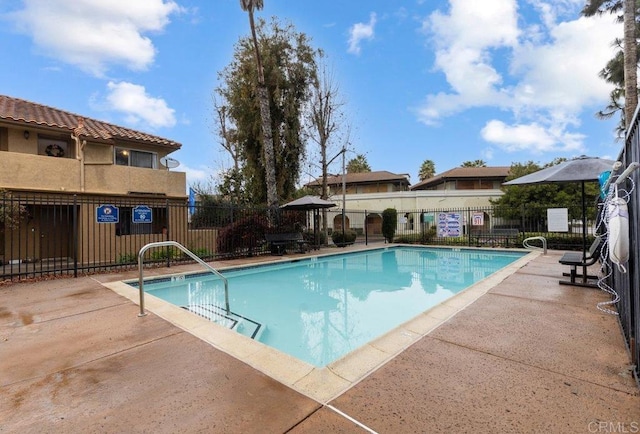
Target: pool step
(231, 320)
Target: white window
(128, 157)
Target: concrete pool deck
(525, 355)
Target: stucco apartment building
(459, 188)
(63, 169)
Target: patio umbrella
(309, 203)
(581, 169)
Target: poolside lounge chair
(578, 259)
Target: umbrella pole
(584, 226)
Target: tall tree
(325, 123)
(265, 114)
(325, 119)
(613, 73)
(290, 68)
(476, 163)
(626, 61)
(358, 164)
(630, 62)
(427, 170)
(230, 182)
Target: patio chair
(578, 259)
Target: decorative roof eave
(15, 111)
(379, 177)
(492, 173)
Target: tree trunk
(267, 148)
(630, 62)
(265, 116)
(325, 189)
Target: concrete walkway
(528, 356)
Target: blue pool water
(319, 309)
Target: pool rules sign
(107, 214)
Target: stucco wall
(95, 153)
(38, 172)
(125, 179)
(17, 142)
(416, 200)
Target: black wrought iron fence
(70, 234)
(476, 226)
(627, 284)
(49, 234)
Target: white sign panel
(558, 220)
(477, 219)
(449, 224)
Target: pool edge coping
(320, 384)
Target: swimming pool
(319, 309)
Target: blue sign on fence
(142, 214)
(107, 214)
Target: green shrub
(202, 252)
(389, 223)
(428, 235)
(162, 253)
(559, 241)
(128, 258)
(425, 237)
(244, 233)
(340, 239)
(309, 237)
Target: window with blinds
(128, 157)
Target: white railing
(188, 252)
(526, 243)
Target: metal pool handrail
(188, 252)
(526, 244)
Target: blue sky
(498, 80)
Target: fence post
(75, 235)
(366, 229)
(469, 224)
(169, 251)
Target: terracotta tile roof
(496, 172)
(21, 111)
(364, 178)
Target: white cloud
(133, 101)
(360, 31)
(201, 177)
(476, 24)
(543, 75)
(532, 137)
(564, 73)
(92, 34)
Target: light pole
(344, 191)
(325, 187)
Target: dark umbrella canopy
(308, 203)
(580, 169)
(577, 170)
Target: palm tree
(476, 163)
(359, 164)
(265, 114)
(630, 61)
(427, 170)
